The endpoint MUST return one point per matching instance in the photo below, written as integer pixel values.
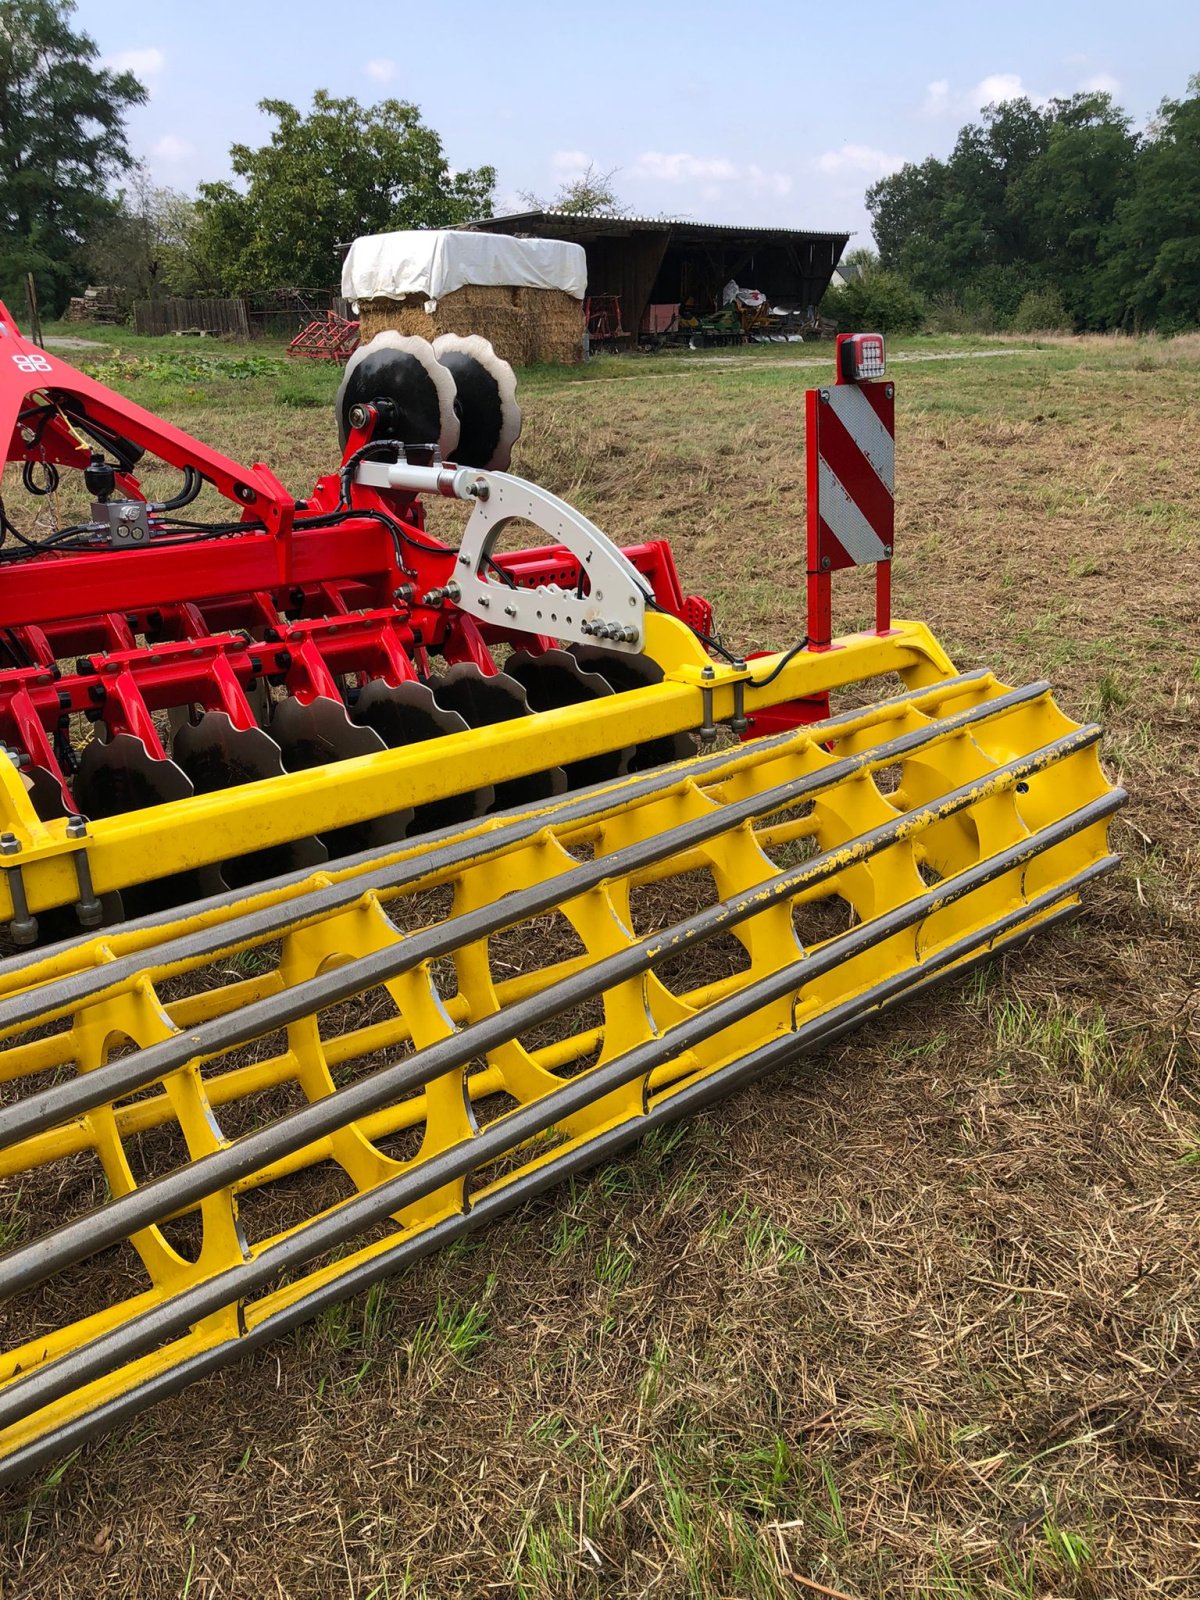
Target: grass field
(921, 1318)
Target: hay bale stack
(523, 325)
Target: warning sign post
(851, 457)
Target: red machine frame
(299, 594)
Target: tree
(62, 142)
(1019, 210)
(1068, 195)
(589, 195)
(323, 179)
(143, 249)
(1151, 273)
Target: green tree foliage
(324, 178)
(143, 249)
(591, 194)
(880, 300)
(1152, 268)
(62, 141)
(1026, 202)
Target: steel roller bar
(111, 1082)
(207, 1174)
(964, 955)
(47, 1108)
(144, 1332)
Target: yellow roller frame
(985, 827)
(140, 846)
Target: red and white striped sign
(851, 475)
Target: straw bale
(524, 325)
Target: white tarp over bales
(388, 266)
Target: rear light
(859, 357)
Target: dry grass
(918, 1320)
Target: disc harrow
(407, 878)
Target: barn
(653, 264)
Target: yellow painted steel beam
(139, 847)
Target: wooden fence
(224, 317)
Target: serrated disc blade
(483, 700)
(216, 756)
(46, 794)
(554, 679)
(626, 672)
(316, 733)
(407, 714)
(118, 775)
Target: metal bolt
(824, 397)
(707, 672)
(76, 828)
(10, 845)
(889, 390)
(887, 549)
(826, 563)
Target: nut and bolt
(76, 828)
(10, 845)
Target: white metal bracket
(613, 610)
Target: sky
(763, 113)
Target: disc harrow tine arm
(57, 1104)
(146, 1331)
(150, 1202)
(821, 1032)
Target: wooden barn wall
(627, 267)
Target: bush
(881, 302)
(948, 315)
(1041, 311)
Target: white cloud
(171, 149)
(654, 166)
(941, 100)
(862, 160)
(995, 89)
(571, 164)
(937, 100)
(146, 62)
(777, 183)
(380, 69)
(711, 172)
